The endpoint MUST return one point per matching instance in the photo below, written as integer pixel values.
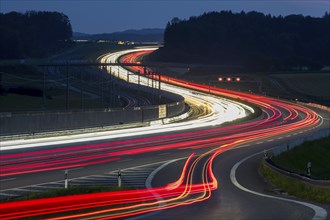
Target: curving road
(207, 182)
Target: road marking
(280, 138)
(242, 146)
(26, 190)
(148, 185)
(260, 142)
(48, 187)
(77, 168)
(320, 213)
(163, 154)
(4, 180)
(60, 184)
(124, 160)
(288, 135)
(7, 194)
(270, 140)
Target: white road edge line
(3, 180)
(320, 213)
(162, 154)
(149, 186)
(72, 169)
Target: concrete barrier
(34, 122)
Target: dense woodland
(33, 34)
(253, 40)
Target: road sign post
(309, 169)
(119, 178)
(66, 182)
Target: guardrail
(292, 175)
(289, 146)
(316, 105)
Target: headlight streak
(191, 187)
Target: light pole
(44, 90)
(67, 85)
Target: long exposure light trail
(197, 180)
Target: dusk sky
(109, 16)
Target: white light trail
(220, 111)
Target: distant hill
(143, 35)
(79, 34)
(253, 40)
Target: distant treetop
(251, 39)
(33, 34)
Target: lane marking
(270, 140)
(48, 187)
(148, 185)
(26, 190)
(242, 146)
(153, 173)
(320, 213)
(260, 142)
(7, 194)
(4, 180)
(124, 160)
(77, 168)
(163, 154)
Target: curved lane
(204, 144)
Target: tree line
(253, 40)
(33, 34)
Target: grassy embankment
(295, 160)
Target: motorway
(198, 174)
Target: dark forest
(252, 40)
(33, 34)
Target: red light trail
(191, 187)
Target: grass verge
(72, 190)
(317, 152)
(295, 187)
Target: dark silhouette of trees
(33, 34)
(253, 40)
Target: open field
(303, 86)
(309, 84)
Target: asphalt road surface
(194, 172)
